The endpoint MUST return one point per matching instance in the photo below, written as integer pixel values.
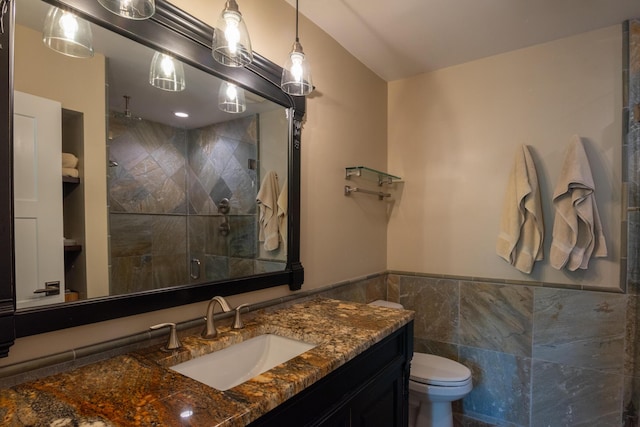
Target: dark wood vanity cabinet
(371, 390)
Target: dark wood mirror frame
(174, 31)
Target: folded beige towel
(268, 219)
(72, 172)
(69, 160)
(283, 206)
(577, 231)
(522, 226)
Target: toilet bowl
(434, 383)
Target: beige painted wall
(60, 81)
(453, 134)
(342, 238)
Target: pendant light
(64, 32)
(296, 75)
(231, 98)
(130, 9)
(231, 44)
(166, 73)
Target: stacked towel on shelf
(70, 165)
(577, 231)
(522, 226)
(267, 199)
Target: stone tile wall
(539, 356)
(163, 197)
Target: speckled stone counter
(139, 389)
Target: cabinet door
(382, 403)
(39, 240)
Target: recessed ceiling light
(181, 114)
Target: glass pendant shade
(231, 98)
(64, 32)
(296, 74)
(130, 9)
(166, 73)
(231, 44)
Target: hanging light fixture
(166, 73)
(231, 98)
(231, 44)
(64, 32)
(296, 74)
(130, 9)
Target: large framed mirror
(143, 209)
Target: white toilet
(434, 383)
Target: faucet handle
(174, 342)
(238, 323)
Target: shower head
(126, 114)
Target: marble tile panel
(501, 385)
(568, 396)
(633, 260)
(580, 328)
(199, 201)
(243, 236)
(240, 267)
(197, 229)
(170, 270)
(170, 159)
(262, 266)
(435, 302)
(375, 288)
(130, 234)
(216, 267)
(149, 175)
(496, 317)
(354, 292)
(130, 274)
(243, 129)
(443, 349)
(169, 234)
(632, 338)
(126, 192)
(152, 135)
(221, 191)
(216, 244)
(631, 401)
(126, 151)
(460, 420)
(393, 287)
(634, 46)
(242, 186)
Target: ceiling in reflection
(128, 65)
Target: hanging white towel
(283, 206)
(577, 231)
(268, 204)
(522, 226)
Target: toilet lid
(432, 369)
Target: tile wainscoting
(540, 356)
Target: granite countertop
(138, 388)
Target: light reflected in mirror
(149, 200)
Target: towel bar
(348, 190)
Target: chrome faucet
(210, 331)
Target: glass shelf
(365, 172)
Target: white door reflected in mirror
(38, 200)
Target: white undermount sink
(226, 368)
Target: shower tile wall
(632, 169)
(163, 196)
